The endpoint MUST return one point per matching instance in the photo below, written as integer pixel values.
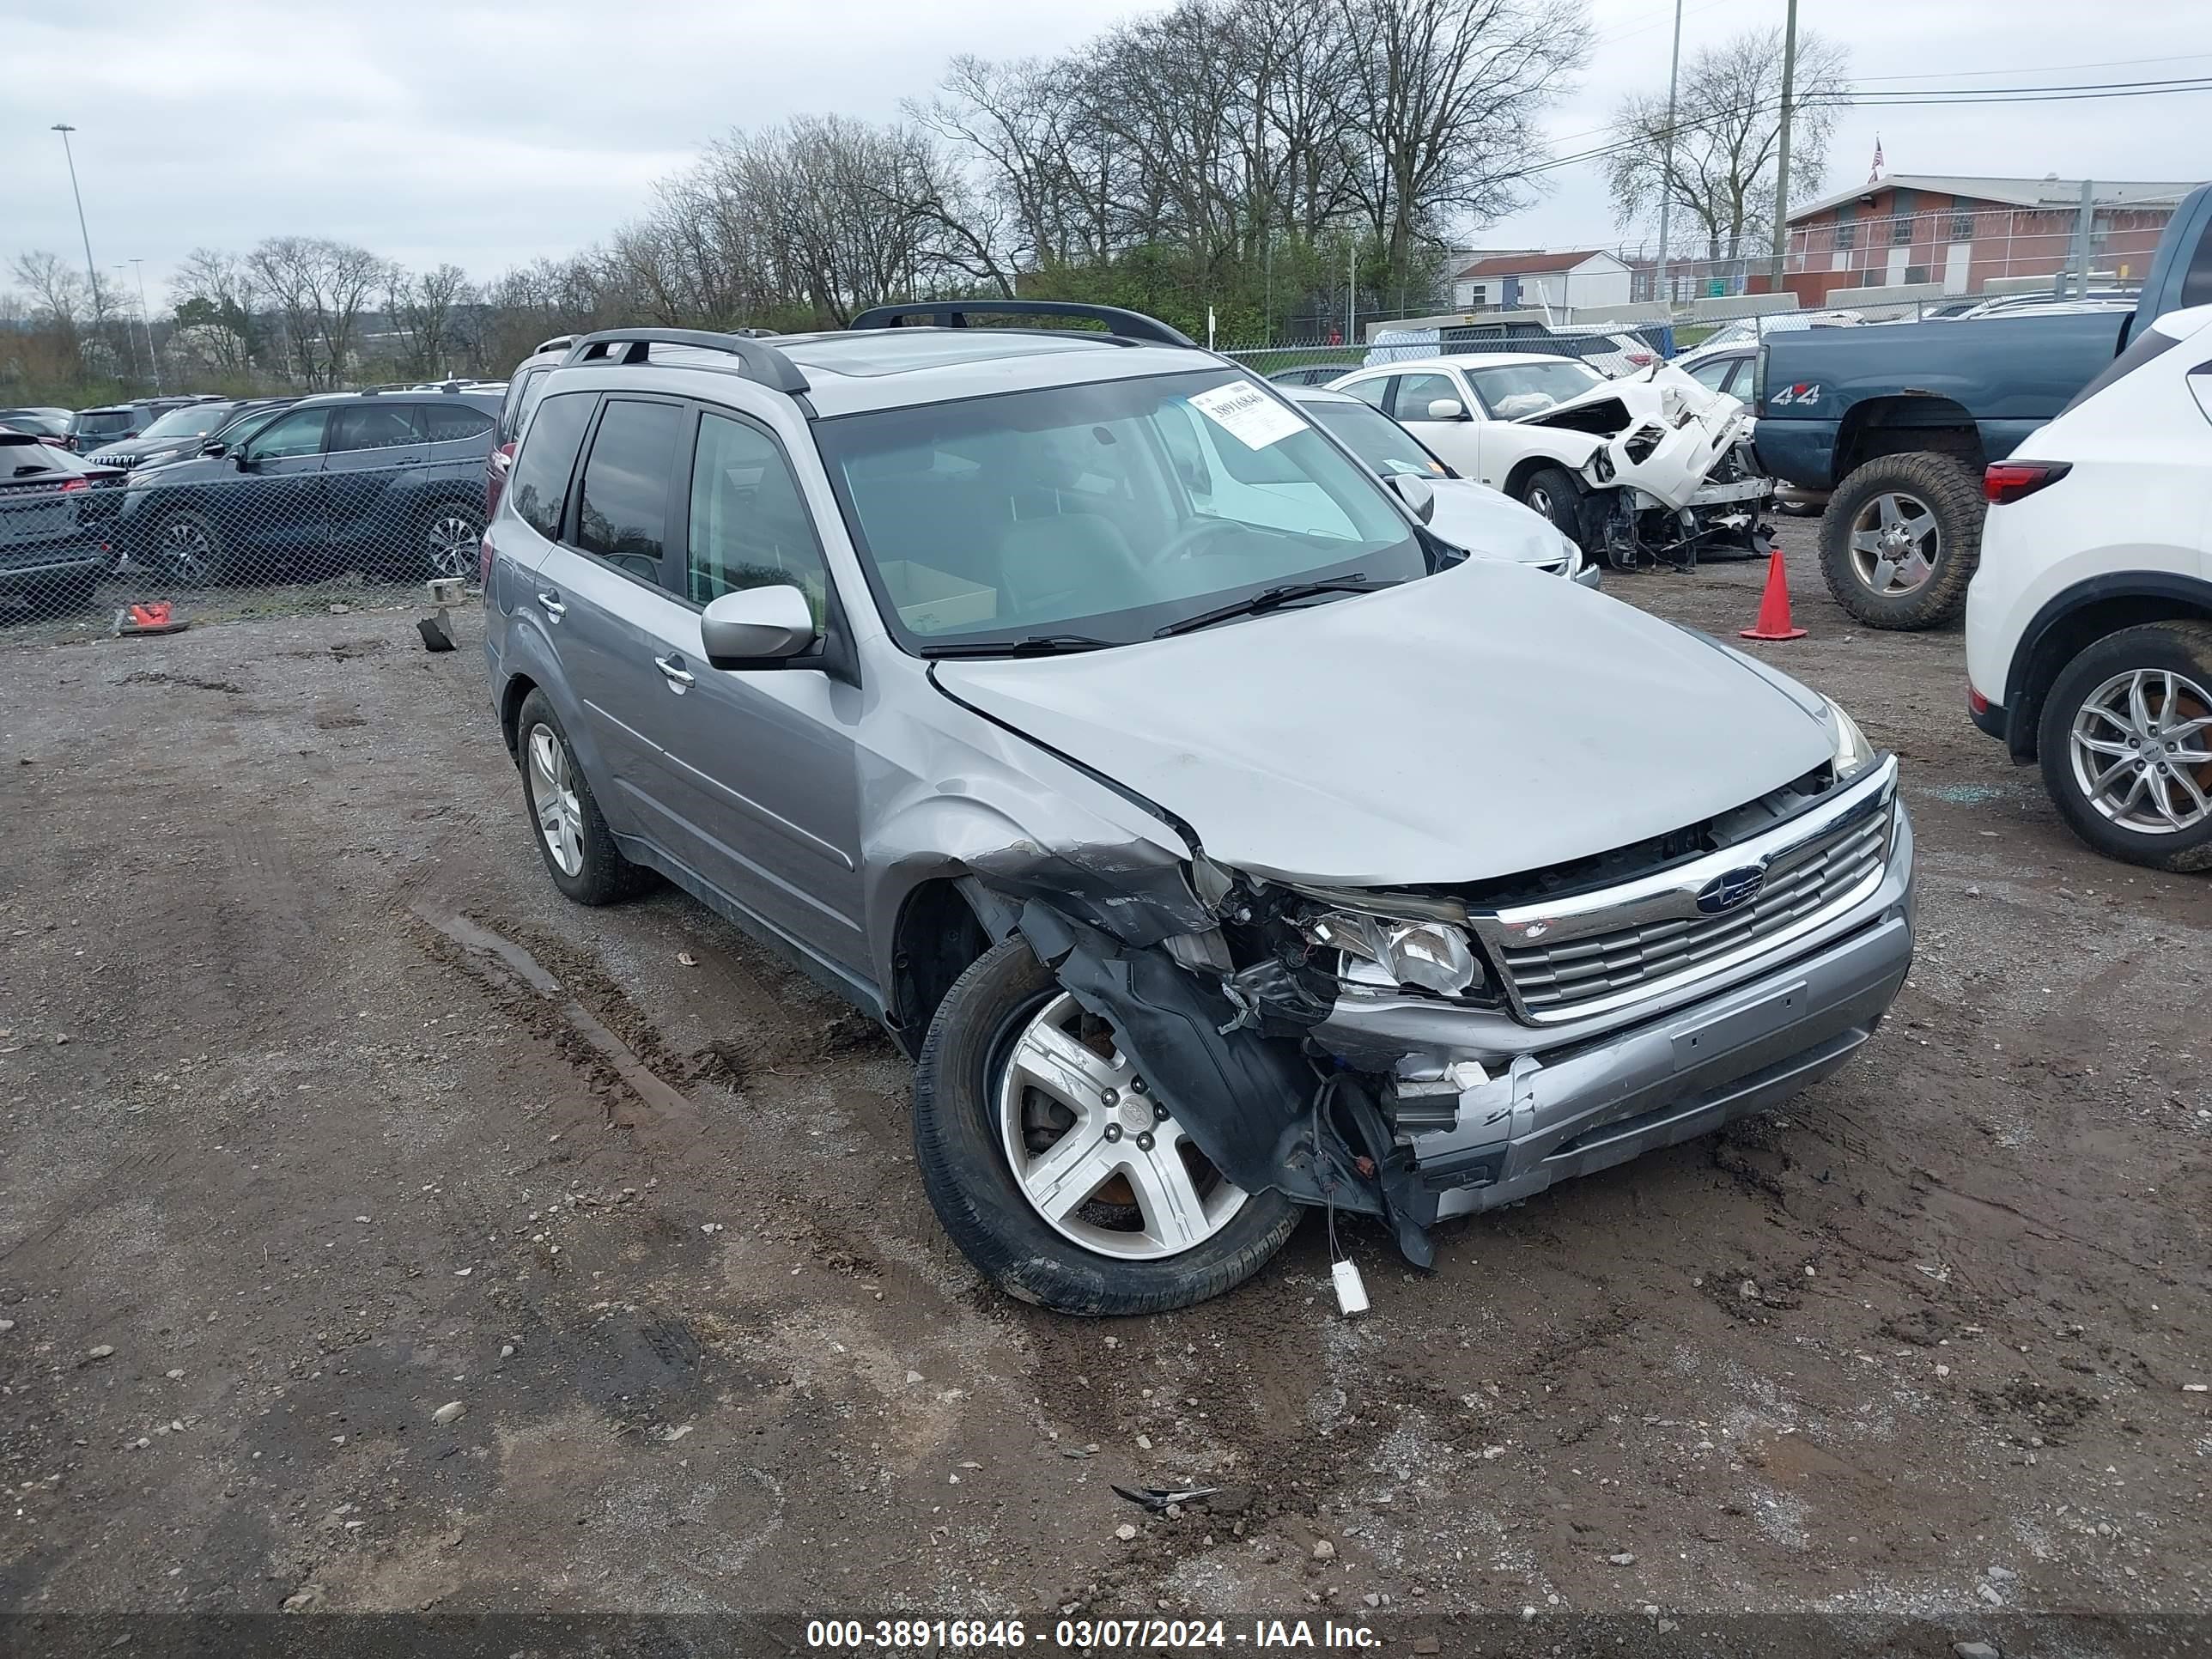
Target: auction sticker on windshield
(1246, 414)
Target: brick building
(1961, 231)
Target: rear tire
(1900, 538)
(2086, 733)
(961, 1147)
(447, 541)
(565, 821)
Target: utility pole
(2085, 219)
(146, 321)
(90, 274)
(1667, 164)
(1782, 155)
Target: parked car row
(226, 490)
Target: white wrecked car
(1651, 465)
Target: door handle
(551, 605)
(672, 669)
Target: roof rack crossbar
(1121, 324)
(756, 359)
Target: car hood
(1493, 526)
(1482, 722)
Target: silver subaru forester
(1216, 838)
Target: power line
(2040, 69)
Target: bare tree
(423, 307)
(1728, 131)
(1446, 97)
(61, 297)
(319, 289)
(212, 294)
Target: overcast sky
(491, 134)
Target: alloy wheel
(553, 794)
(453, 545)
(1097, 1155)
(1895, 543)
(187, 550)
(2141, 748)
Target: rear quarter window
(542, 471)
(522, 396)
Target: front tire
(2126, 746)
(190, 550)
(1899, 540)
(1552, 491)
(1054, 1169)
(572, 836)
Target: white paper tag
(1246, 414)
(1351, 1294)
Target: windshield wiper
(1268, 598)
(1033, 645)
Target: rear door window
(540, 483)
(373, 426)
(621, 507)
(447, 423)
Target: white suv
(2089, 622)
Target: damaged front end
(1675, 474)
(1414, 1055)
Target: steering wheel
(1189, 544)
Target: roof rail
(756, 360)
(1121, 324)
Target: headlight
(1854, 754)
(1571, 551)
(1432, 956)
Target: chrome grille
(1558, 978)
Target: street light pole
(146, 321)
(1667, 163)
(91, 275)
(129, 334)
(1782, 151)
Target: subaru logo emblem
(1725, 892)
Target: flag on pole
(1875, 178)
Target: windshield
(190, 423)
(1108, 510)
(1512, 390)
(1377, 440)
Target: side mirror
(756, 628)
(212, 450)
(1447, 408)
(1420, 501)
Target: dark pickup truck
(1899, 419)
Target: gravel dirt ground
(379, 1232)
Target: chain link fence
(354, 500)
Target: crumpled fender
(1252, 1102)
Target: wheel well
(937, 937)
(1903, 426)
(1527, 467)
(2067, 637)
(519, 686)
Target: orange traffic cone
(1774, 606)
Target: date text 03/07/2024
(988, 1635)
